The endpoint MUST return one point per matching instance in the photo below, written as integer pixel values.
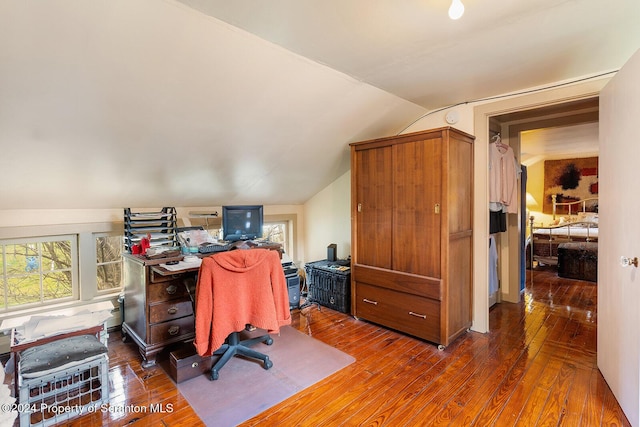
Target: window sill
(16, 318)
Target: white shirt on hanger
(503, 178)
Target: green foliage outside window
(275, 232)
(109, 262)
(35, 272)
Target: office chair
(236, 347)
(236, 289)
(233, 345)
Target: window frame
(5, 309)
(86, 258)
(285, 226)
(96, 236)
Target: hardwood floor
(537, 366)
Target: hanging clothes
(497, 221)
(503, 178)
(493, 266)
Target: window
(276, 232)
(38, 270)
(108, 262)
(281, 228)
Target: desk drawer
(414, 315)
(175, 289)
(169, 310)
(175, 330)
(185, 363)
(155, 277)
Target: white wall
(10, 218)
(327, 218)
(437, 119)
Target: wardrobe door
(374, 206)
(418, 205)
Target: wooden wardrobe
(412, 236)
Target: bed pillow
(588, 217)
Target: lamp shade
(532, 204)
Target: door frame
(482, 114)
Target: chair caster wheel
(214, 375)
(268, 341)
(441, 347)
(268, 363)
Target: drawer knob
(172, 310)
(194, 365)
(368, 301)
(174, 330)
(422, 316)
(172, 289)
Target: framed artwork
(571, 180)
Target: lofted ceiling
(151, 103)
(413, 50)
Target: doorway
(560, 131)
(513, 112)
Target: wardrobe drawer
(176, 330)
(399, 281)
(174, 289)
(407, 313)
(169, 310)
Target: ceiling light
(456, 9)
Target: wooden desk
(158, 310)
(157, 307)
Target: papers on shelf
(195, 238)
(182, 265)
(15, 322)
(43, 326)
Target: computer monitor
(242, 222)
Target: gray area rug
(246, 389)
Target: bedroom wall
(328, 220)
(535, 187)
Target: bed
(577, 225)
